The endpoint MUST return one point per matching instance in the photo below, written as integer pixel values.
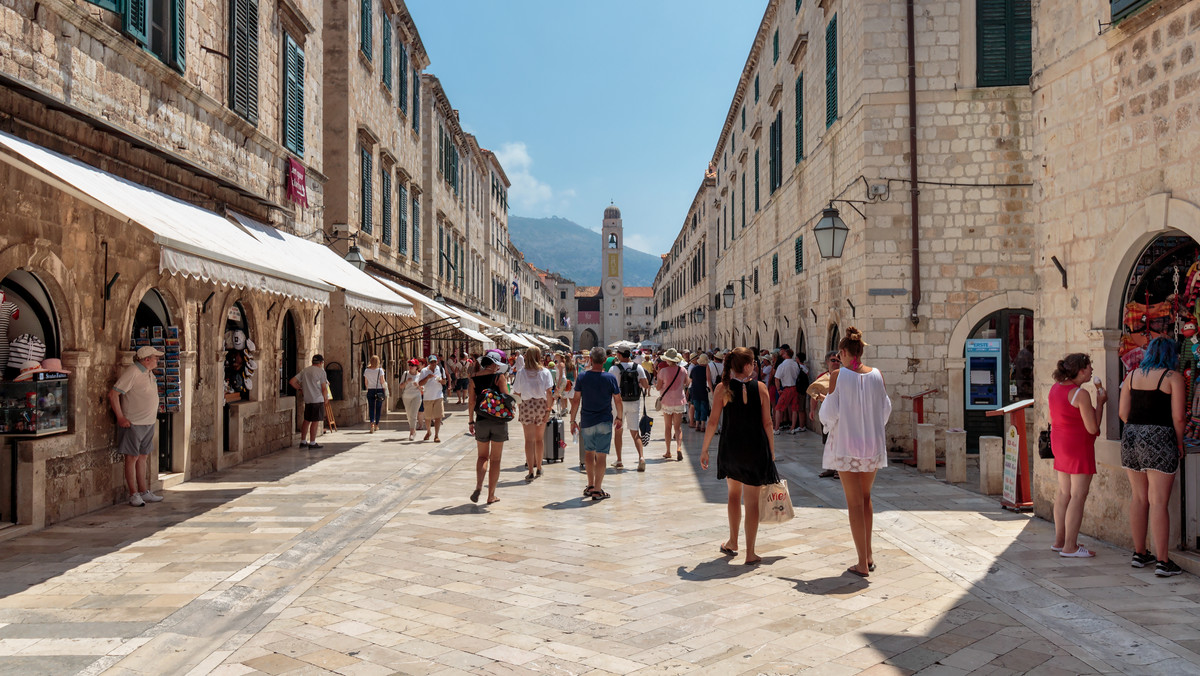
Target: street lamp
(354, 255)
(727, 295)
(831, 233)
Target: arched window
(612, 241)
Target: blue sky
(587, 102)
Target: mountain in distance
(573, 251)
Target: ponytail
(736, 361)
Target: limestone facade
(849, 140)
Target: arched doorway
(588, 339)
(565, 340)
(26, 310)
(835, 337)
(776, 342)
(999, 370)
(801, 346)
(289, 354)
(151, 322)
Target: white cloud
(528, 195)
(640, 242)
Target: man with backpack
(633, 382)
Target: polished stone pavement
(365, 557)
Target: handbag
(495, 405)
(646, 424)
(1044, 450)
(658, 400)
(775, 503)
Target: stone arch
(60, 285)
(150, 280)
(956, 362)
(588, 339)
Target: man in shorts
(788, 406)
(597, 393)
(134, 400)
(433, 379)
(633, 403)
(311, 381)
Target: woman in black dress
(746, 455)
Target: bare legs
(857, 486)
(739, 493)
(1151, 491)
(535, 448)
(487, 461)
(1068, 509)
(597, 464)
(673, 422)
(135, 473)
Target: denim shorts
(597, 438)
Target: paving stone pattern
(366, 557)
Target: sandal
(539, 473)
(475, 495)
(600, 495)
(587, 492)
(678, 456)
(618, 465)
(529, 477)
(1080, 553)
(853, 569)
(493, 501)
(727, 551)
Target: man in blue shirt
(598, 394)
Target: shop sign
(1012, 455)
(297, 183)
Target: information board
(1012, 456)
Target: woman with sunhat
(671, 383)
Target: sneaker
(778, 431)
(1141, 560)
(151, 497)
(1166, 568)
(641, 465)
(795, 430)
(136, 500)
(303, 444)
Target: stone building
(1115, 141)
(820, 119)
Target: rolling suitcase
(554, 440)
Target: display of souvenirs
(35, 406)
(165, 338)
(240, 365)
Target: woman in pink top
(671, 381)
(1074, 426)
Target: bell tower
(612, 269)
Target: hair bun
(854, 334)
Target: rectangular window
(385, 192)
(756, 89)
(772, 159)
(733, 224)
(774, 269)
(799, 251)
(441, 251)
(402, 72)
(293, 95)
(416, 111)
(755, 280)
(1120, 8)
(831, 86)
(743, 201)
(756, 203)
(743, 118)
(243, 59)
(416, 226)
(364, 221)
(166, 38)
(775, 47)
(1004, 42)
(365, 21)
(799, 118)
(402, 219)
(385, 55)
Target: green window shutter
(798, 2)
(178, 50)
(416, 226)
(756, 89)
(732, 217)
(402, 71)
(991, 39)
(743, 201)
(385, 56)
(799, 251)
(756, 203)
(364, 221)
(755, 280)
(1021, 43)
(441, 251)
(775, 47)
(293, 96)
(771, 158)
(799, 118)
(416, 111)
(743, 118)
(243, 59)
(135, 20)
(110, 5)
(831, 85)
(774, 268)
(402, 219)
(365, 21)
(1123, 8)
(385, 192)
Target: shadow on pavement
(716, 569)
(572, 504)
(455, 511)
(846, 583)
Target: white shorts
(633, 414)
(673, 410)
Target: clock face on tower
(611, 287)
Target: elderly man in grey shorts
(134, 400)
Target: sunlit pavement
(366, 557)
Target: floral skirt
(533, 412)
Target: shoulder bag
(658, 399)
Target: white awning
(457, 318)
(194, 242)
(521, 340)
(363, 292)
(488, 343)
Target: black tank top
(1150, 407)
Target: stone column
(956, 456)
(991, 465)
(926, 448)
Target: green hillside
(573, 251)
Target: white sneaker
(151, 497)
(136, 500)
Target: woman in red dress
(1074, 426)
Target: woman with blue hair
(1152, 408)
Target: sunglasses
(835, 361)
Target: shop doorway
(999, 371)
(289, 355)
(150, 326)
(835, 337)
(588, 339)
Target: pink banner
(589, 318)
(297, 183)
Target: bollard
(991, 465)
(926, 448)
(956, 456)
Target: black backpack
(631, 389)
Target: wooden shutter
(178, 51)
(135, 20)
(402, 222)
(799, 118)
(755, 280)
(1123, 8)
(441, 251)
(364, 28)
(799, 251)
(385, 57)
(385, 192)
(416, 111)
(775, 47)
(1021, 42)
(775, 268)
(831, 86)
(293, 96)
(991, 37)
(243, 59)
(416, 226)
(365, 200)
(402, 72)
(756, 201)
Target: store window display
(240, 364)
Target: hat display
(148, 351)
(28, 368)
(672, 356)
(53, 365)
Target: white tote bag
(775, 503)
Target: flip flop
(727, 551)
(475, 495)
(854, 570)
(755, 562)
(492, 502)
(870, 567)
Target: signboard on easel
(1012, 456)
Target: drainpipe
(912, 166)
